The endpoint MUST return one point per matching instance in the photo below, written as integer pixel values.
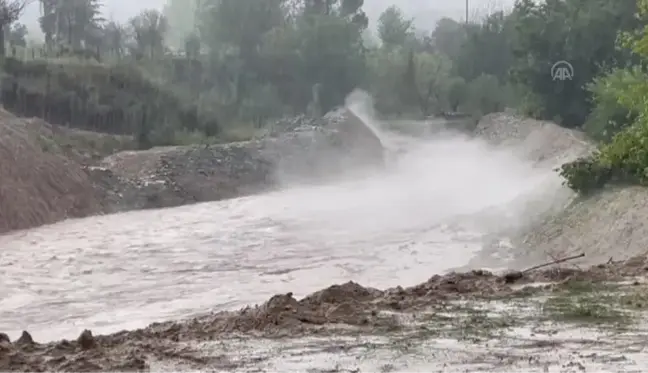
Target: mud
(345, 310)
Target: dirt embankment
(611, 224)
(38, 184)
(542, 142)
(50, 173)
(44, 172)
(347, 309)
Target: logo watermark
(562, 70)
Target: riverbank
(506, 322)
(52, 173)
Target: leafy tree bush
(625, 158)
(608, 117)
(578, 31)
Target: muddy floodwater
(428, 213)
(126, 271)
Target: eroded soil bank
(478, 309)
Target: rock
(513, 277)
(5, 344)
(86, 341)
(333, 146)
(294, 150)
(25, 339)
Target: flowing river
(425, 215)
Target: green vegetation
(619, 119)
(220, 70)
(589, 303)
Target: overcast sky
(425, 12)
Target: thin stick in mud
(553, 262)
(516, 275)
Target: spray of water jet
(434, 181)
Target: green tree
(625, 158)
(487, 48)
(115, 39)
(148, 29)
(16, 34)
(449, 37)
(582, 32)
(393, 28)
(608, 117)
(71, 23)
(10, 11)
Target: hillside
(39, 184)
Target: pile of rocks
(295, 149)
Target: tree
(239, 23)
(449, 37)
(192, 46)
(148, 29)
(332, 55)
(582, 32)
(73, 24)
(487, 48)
(10, 11)
(624, 159)
(427, 79)
(115, 37)
(16, 34)
(393, 28)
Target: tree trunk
(3, 51)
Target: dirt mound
(343, 309)
(612, 224)
(296, 149)
(540, 141)
(39, 184)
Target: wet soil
(347, 309)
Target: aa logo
(562, 70)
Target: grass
(580, 303)
(588, 303)
(80, 144)
(461, 321)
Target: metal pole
(466, 11)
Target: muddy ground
(449, 307)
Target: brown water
(428, 213)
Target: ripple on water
(127, 270)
